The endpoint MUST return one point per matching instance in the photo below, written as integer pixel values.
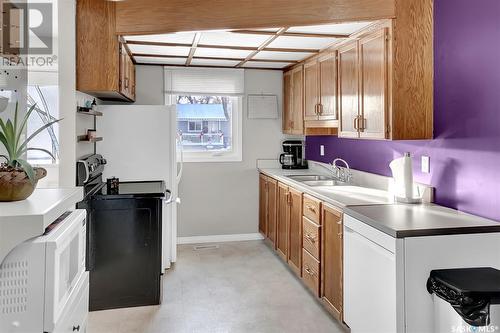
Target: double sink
(317, 180)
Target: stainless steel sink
(331, 182)
(308, 178)
(316, 180)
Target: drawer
(311, 237)
(311, 208)
(75, 314)
(310, 272)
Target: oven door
(65, 264)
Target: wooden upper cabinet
(349, 89)
(101, 66)
(374, 92)
(328, 87)
(311, 90)
(332, 260)
(297, 126)
(295, 231)
(287, 102)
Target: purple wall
(465, 154)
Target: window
(209, 117)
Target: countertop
(377, 208)
(340, 196)
(404, 220)
(22, 220)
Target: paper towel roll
(402, 172)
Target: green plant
(10, 137)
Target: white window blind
(204, 81)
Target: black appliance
(293, 155)
(123, 238)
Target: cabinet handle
(320, 109)
(356, 123)
(362, 122)
(126, 83)
(316, 109)
(311, 238)
(311, 208)
(76, 328)
(309, 271)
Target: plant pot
(15, 184)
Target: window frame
(233, 155)
(195, 122)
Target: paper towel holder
(414, 200)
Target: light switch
(426, 164)
(321, 150)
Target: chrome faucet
(341, 173)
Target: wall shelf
(90, 113)
(84, 138)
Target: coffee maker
(293, 155)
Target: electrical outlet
(321, 150)
(426, 164)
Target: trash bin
(465, 299)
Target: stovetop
(138, 189)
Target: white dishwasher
(369, 278)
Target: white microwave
(43, 278)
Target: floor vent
(206, 247)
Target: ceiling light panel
(160, 50)
(282, 55)
(232, 39)
(160, 61)
(342, 28)
(214, 62)
(302, 42)
(259, 64)
(221, 53)
(181, 37)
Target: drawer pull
(309, 271)
(311, 208)
(76, 328)
(311, 238)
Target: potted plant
(18, 179)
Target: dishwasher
(369, 278)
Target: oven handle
(169, 198)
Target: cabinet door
(328, 87)
(373, 59)
(349, 90)
(272, 193)
(282, 221)
(311, 90)
(297, 125)
(131, 78)
(287, 102)
(331, 260)
(262, 204)
(295, 231)
(123, 70)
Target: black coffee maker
(293, 155)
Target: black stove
(123, 237)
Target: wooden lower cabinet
(294, 257)
(307, 234)
(267, 208)
(331, 260)
(282, 221)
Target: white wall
(222, 198)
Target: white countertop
(22, 220)
(341, 196)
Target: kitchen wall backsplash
(465, 154)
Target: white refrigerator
(140, 143)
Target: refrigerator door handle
(181, 150)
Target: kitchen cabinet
(331, 260)
(104, 68)
(293, 118)
(320, 92)
(267, 208)
(349, 90)
(289, 227)
(295, 231)
(282, 221)
(363, 67)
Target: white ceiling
(232, 48)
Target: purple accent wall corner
(465, 154)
